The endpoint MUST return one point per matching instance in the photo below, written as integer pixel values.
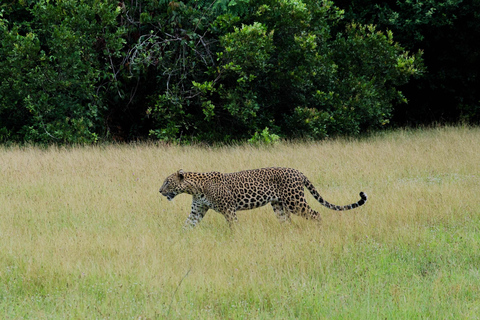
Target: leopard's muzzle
(168, 195)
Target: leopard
(228, 193)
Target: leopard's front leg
(196, 215)
(230, 216)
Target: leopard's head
(173, 185)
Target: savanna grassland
(84, 233)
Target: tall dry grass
(84, 233)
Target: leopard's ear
(181, 174)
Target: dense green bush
(448, 32)
(281, 66)
(53, 65)
(78, 71)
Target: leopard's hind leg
(304, 210)
(295, 202)
(282, 214)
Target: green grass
(85, 234)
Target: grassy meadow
(85, 234)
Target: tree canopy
(80, 71)
(447, 31)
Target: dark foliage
(81, 71)
(447, 32)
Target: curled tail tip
(363, 199)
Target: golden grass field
(85, 234)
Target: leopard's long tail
(317, 196)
